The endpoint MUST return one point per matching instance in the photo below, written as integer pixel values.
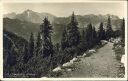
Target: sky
(66, 9)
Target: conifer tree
(89, 35)
(83, 35)
(64, 40)
(31, 46)
(29, 49)
(101, 32)
(123, 31)
(38, 44)
(46, 30)
(25, 58)
(95, 38)
(73, 32)
(83, 40)
(109, 31)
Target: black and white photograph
(64, 40)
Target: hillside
(13, 49)
(20, 28)
(23, 48)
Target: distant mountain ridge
(30, 16)
(29, 21)
(36, 17)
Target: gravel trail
(100, 64)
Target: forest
(38, 56)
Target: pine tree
(109, 31)
(83, 35)
(64, 40)
(31, 48)
(38, 44)
(83, 43)
(101, 32)
(73, 32)
(94, 38)
(57, 47)
(89, 35)
(123, 31)
(25, 58)
(46, 30)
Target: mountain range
(30, 16)
(28, 21)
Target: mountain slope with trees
(39, 54)
(30, 23)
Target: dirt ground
(103, 64)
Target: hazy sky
(65, 9)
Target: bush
(119, 50)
